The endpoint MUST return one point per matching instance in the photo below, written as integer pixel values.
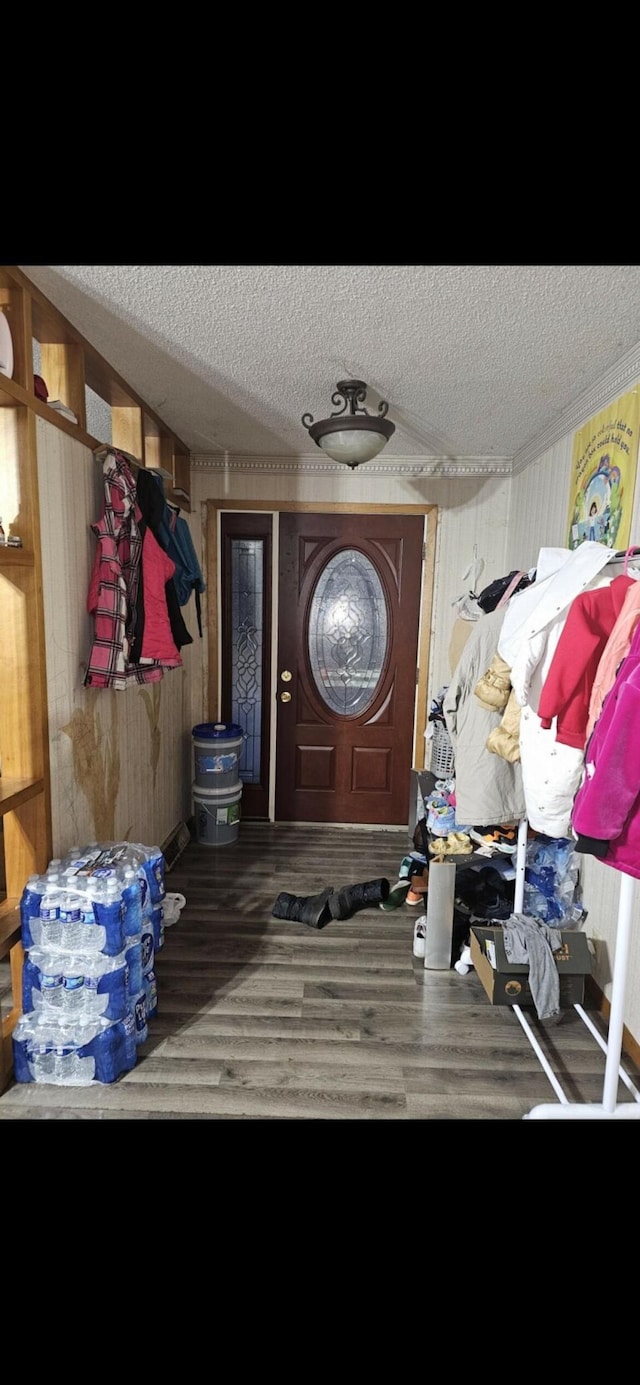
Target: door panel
(349, 603)
(246, 648)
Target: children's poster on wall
(603, 475)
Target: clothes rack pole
(521, 861)
(608, 1109)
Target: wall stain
(96, 759)
(152, 697)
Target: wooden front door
(348, 613)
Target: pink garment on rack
(606, 809)
(615, 650)
(567, 689)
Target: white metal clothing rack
(608, 1108)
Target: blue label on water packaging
(157, 919)
(49, 981)
(71, 913)
(73, 983)
(140, 1012)
(147, 950)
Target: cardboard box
(507, 983)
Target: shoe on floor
(419, 888)
(420, 938)
(396, 896)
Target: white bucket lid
(232, 794)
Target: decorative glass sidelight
(247, 577)
(348, 633)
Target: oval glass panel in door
(348, 633)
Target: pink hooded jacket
(606, 808)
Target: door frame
(213, 555)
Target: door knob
(285, 697)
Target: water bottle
(30, 907)
(151, 993)
(108, 908)
(147, 944)
(132, 899)
(149, 981)
(50, 903)
(48, 928)
(106, 987)
(133, 957)
(49, 988)
(157, 922)
(70, 918)
(153, 865)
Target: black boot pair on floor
(319, 909)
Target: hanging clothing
(504, 740)
(113, 593)
(561, 574)
(567, 688)
(152, 507)
(156, 638)
(551, 771)
(174, 534)
(488, 787)
(606, 811)
(497, 593)
(615, 650)
(570, 680)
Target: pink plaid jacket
(113, 589)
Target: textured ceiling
(475, 361)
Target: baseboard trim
(630, 1046)
(174, 845)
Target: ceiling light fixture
(354, 437)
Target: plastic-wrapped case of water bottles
(91, 928)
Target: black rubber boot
(349, 900)
(310, 909)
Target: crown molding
(616, 381)
(406, 467)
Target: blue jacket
(175, 536)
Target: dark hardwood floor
(262, 1019)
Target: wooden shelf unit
(70, 365)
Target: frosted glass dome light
(352, 437)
